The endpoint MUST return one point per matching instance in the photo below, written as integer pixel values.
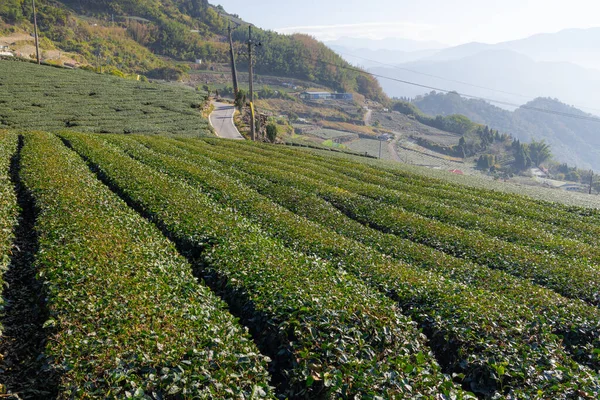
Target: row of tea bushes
(328, 333)
(127, 317)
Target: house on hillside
(343, 96)
(326, 96)
(315, 96)
(574, 187)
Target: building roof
(316, 93)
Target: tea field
(53, 99)
(173, 268)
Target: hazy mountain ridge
(574, 141)
(563, 65)
(393, 44)
(370, 58)
(512, 77)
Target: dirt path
(368, 117)
(392, 147)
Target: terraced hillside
(203, 268)
(53, 99)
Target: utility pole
(35, 27)
(380, 144)
(233, 68)
(251, 85)
(591, 180)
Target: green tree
(539, 152)
(573, 176)
(272, 132)
(522, 159)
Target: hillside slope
(573, 140)
(154, 37)
(53, 99)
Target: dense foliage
(496, 152)
(303, 57)
(127, 317)
(455, 123)
(52, 99)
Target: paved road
(222, 120)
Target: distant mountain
(578, 46)
(514, 78)
(458, 52)
(394, 44)
(369, 58)
(574, 141)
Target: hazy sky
(447, 21)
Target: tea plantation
(52, 99)
(179, 267)
(190, 268)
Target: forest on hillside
(574, 140)
(132, 35)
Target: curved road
(222, 120)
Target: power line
(436, 76)
(455, 81)
(563, 114)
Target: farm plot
(378, 187)
(415, 197)
(127, 317)
(422, 255)
(197, 268)
(572, 278)
(327, 333)
(553, 216)
(52, 99)
(370, 147)
(408, 285)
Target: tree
(573, 176)
(272, 132)
(522, 159)
(486, 161)
(539, 152)
(240, 100)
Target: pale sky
(447, 21)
